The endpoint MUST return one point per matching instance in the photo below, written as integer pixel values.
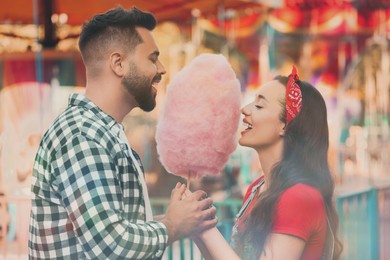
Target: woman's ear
(282, 130)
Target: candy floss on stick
(196, 131)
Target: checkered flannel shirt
(87, 201)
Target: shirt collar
(77, 99)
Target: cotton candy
(197, 128)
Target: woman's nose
(245, 110)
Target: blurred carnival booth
(340, 46)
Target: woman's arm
(282, 247)
(213, 246)
(211, 243)
(202, 247)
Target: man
(89, 198)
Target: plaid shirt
(87, 201)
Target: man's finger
(199, 195)
(206, 203)
(188, 192)
(207, 224)
(210, 213)
(178, 193)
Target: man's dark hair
(116, 26)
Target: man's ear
(116, 64)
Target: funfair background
(340, 46)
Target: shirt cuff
(162, 233)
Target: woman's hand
(186, 194)
(189, 214)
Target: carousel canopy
(79, 11)
(76, 11)
(298, 16)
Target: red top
(300, 212)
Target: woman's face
(262, 117)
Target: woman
(288, 213)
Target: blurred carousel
(364, 103)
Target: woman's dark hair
(114, 26)
(304, 160)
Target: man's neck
(111, 101)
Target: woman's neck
(268, 157)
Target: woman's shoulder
(302, 197)
(300, 206)
(304, 190)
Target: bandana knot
(293, 96)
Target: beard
(140, 87)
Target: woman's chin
(242, 142)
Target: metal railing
(384, 222)
(359, 224)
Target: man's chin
(149, 107)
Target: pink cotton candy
(197, 128)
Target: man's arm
(85, 178)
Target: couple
(89, 197)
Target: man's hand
(188, 213)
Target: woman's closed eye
(258, 106)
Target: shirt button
(159, 253)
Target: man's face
(144, 71)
